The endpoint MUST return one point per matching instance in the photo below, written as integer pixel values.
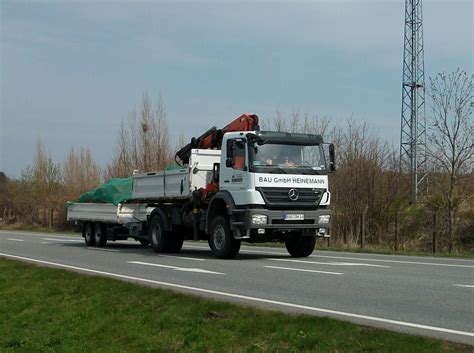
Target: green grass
(51, 310)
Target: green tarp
(114, 191)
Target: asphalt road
(418, 295)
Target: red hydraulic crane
(212, 138)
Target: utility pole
(413, 119)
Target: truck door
(234, 177)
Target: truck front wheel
(174, 242)
(300, 246)
(221, 241)
(144, 242)
(157, 234)
(87, 234)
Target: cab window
(236, 154)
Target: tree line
(370, 194)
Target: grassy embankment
(51, 310)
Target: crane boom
(212, 138)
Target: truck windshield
(284, 158)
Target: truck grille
(280, 197)
(282, 221)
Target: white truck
(253, 186)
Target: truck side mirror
(332, 158)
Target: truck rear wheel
(221, 240)
(157, 234)
(100, 235)
(300, 246)
(87, 234)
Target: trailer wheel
(221, 240)
(100, 235)
(157, 234)
(300, 246)
(87, 234)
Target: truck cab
(273, 186)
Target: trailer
(233, 186)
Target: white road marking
(263, 252)
(19, 233)
(184, 269)
(62, 240)
(101, 249)
(304, 270)
(464, 285)
(241, 250)
(13, 239)
(279, 253)
(394, 261)
(267, 252)
(49, 243)
(183, 257)
(356, 264)
(249, 298)
(330, 263)
(36, 234)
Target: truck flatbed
(107, 212)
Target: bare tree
(121, 164)
(364, 188)
(46, 182)
(160, 135)
(80, 173)
(451, 138)
(279, 122)
(363, 184)
(145, 127)
(25, 197)
(180, 142)
(5, 197)
(143, 143)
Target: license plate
(294, 217)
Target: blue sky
(72, 71)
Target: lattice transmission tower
(413, 120)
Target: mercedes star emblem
(293, 194)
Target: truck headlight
(259, 219)
(324, 219)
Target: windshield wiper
(271, 169)
(313, 171)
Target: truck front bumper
(309, 221)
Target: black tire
(144, 242)
(87, 233)
(174, 242)
(221, 239)
(300, 246)
(100, 235)
(157, 234)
